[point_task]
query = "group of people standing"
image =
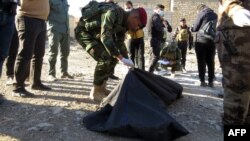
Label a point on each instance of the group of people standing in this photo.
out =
(102, 35)
(204, 47)
(22, 40)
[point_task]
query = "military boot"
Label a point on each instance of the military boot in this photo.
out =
(97, 93)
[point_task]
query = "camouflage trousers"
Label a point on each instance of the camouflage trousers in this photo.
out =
(105, 62)
(236, 77)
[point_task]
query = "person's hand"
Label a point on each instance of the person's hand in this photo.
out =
(127, 62)
(241, 17)
(171, 62)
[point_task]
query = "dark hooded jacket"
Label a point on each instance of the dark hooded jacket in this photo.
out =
(203, 17)
(8, 6)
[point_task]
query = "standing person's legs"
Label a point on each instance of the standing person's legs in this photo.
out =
(140, 54)
(102, 72)
(11, 59)
(236, 93)
(200, 55)
(155, 55)
(54, 39)
(131, 48)
(37, 59)
(183, 47)
(65, 50)
(210, 62)
(7, 25)
(27, 33)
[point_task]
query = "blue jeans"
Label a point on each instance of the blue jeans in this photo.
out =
(7, 24)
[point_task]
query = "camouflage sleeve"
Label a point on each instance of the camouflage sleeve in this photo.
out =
(231, 6)
(107, 39)
(226, 9)
(120, 38)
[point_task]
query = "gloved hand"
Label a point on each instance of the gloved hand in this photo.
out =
(127, 62)
(241, 18)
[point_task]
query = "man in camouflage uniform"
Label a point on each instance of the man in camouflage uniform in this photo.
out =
(102, 36)
(58, 32)
(233, 48)
(172, 54)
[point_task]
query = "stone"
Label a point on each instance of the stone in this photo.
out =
(41, 127)
(80, 113)
(56, 110)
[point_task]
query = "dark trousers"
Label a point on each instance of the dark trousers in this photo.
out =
(32, 36)
(58, 40)
(7, 25)
(136, 51)
(182, 45)
(205, 53)
(11, 59)
(155, 53)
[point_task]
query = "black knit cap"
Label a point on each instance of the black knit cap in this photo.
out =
(182, 20)
(160, 6)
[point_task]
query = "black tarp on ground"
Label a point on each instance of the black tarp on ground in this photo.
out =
(139, 109)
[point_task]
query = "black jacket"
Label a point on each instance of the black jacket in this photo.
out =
(203, 17)
(8, 6)
(155, 27)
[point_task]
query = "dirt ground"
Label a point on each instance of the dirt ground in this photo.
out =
(56, 115)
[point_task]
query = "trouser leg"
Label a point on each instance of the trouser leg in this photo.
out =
(11, 59)
(6, 34)
(210, 61)
(141, 58)
(236, 94)
(27, 32)
(183, 47)
(37, 60)
(54, 39)
(64, 50)
(155, 55)
(200, 55)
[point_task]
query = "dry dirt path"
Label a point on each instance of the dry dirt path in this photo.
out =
(56, 115)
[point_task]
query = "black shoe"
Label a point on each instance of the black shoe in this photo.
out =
(203, 84)
(21, 92)
(113, 77)
(157, 69)
(40, 87)
(211, 84)
(66, 76)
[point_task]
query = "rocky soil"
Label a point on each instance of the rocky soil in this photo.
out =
(56, 115)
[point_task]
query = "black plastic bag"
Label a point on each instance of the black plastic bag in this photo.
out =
(136, 108)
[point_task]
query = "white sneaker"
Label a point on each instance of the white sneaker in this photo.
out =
(10, 81)
(52, 78)
(172, 75)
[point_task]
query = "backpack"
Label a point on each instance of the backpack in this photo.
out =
(209, 30)
(91, 18)
(183, 34)
(93, 8)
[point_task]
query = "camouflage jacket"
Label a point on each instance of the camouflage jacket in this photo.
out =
(109, 28)
(226, 10)
(113, 30)
(58, 18)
